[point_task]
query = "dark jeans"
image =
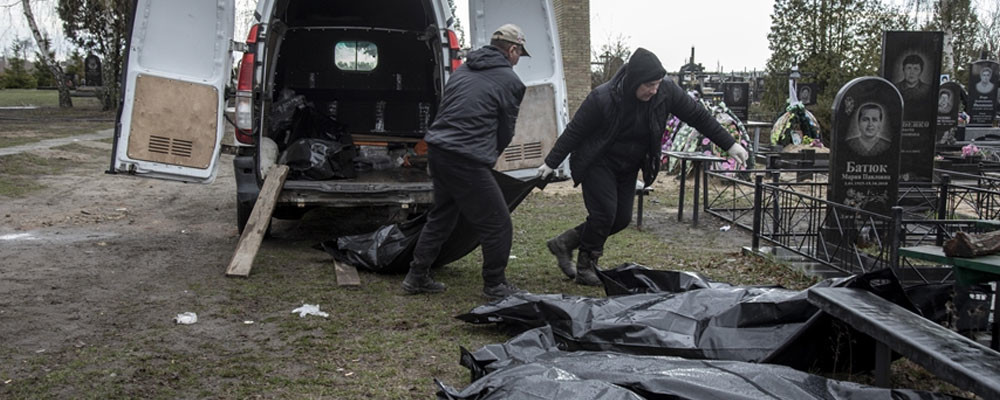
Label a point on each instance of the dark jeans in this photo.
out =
(467, 188)
(608, 194)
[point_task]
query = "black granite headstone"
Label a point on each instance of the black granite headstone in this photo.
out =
(912, 61)
(866, 138)
(92, 71)
(737, 98)
(807, 93)
(984, 77)
(949, 97)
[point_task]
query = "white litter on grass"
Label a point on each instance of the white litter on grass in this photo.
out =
(513, 257)
(247, 322)
(725, 228)
(309, 309)
(187, 318)
(18, 236)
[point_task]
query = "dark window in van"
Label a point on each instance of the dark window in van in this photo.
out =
(355, 56)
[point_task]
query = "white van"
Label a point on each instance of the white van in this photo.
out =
(369, 74)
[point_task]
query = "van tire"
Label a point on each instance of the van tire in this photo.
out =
(243, 211)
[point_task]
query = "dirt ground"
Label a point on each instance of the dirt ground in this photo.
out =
(94, 259)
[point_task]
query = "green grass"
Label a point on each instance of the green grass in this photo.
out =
(40, 98)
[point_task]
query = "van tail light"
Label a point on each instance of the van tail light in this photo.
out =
(453, 50)
(244, 92)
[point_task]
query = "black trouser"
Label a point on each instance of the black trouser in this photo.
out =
(608, 194)
(467, 188)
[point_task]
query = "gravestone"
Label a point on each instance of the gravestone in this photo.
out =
(983, 82)
(912, 61)
(807, 93)
(866, 139)
(949, 97)
(92, 71)
(736, 95)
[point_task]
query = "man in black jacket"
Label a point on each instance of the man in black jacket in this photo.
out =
(617, 132)
(475, 123)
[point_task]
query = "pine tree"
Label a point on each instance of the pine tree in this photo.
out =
(831, 41)
(17, 76)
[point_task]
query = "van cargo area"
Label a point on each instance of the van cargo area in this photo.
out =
(353, 88)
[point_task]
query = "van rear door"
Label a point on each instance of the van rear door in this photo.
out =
(170, 124)
(543, 112)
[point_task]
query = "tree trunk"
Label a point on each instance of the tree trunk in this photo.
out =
(65, 101)
(948, 52)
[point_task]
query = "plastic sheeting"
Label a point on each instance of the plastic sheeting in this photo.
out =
(390, 248)
(681, 314)
(531, 366)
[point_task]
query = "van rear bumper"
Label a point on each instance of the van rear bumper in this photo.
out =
(356, 194)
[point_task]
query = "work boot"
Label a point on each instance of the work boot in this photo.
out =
(586, 268)
(419, 280)
(562, 247)
(500, 291)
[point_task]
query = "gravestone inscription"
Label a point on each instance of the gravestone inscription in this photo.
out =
(949, 97)
(912, 62)
(736, 95)
(983, 82)
(866, 139)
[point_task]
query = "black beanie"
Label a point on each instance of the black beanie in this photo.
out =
(643, 66)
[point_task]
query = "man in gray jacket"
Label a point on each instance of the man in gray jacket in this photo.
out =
(475, 123)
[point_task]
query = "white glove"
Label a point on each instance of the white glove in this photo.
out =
(738, 153)
(544, 172)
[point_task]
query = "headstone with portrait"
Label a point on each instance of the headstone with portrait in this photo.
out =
(983, 82)
(865, 145)
(949, 97)
(807, 93)
(912, 62)
(736, 95)
(92, 70)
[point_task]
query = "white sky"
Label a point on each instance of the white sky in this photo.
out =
(727, 32)
(730, 33)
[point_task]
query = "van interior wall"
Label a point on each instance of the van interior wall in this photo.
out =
(402, 81)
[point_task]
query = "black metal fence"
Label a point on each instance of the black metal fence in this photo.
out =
(787, 209)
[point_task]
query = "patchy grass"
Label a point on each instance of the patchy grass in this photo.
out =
(377, 342)
(19, 172)
(19, 127)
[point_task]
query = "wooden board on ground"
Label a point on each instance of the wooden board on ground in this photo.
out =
(347, 274)
(257, 224)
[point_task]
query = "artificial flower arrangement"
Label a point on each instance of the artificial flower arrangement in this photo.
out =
(796, 126)
(682, 137)
(971, 150)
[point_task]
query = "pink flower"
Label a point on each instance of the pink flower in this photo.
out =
(970, 150)
(708, 152)
(704, 141)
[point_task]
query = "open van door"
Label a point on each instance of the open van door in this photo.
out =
(170, 124)
(543, 112)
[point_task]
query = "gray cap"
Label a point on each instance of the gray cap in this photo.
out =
(513, 34)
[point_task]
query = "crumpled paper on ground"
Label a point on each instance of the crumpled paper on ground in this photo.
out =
(187, 318)
(309, 309)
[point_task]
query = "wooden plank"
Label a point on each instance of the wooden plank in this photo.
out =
(347, 274)
(260, 217)
(946, 354)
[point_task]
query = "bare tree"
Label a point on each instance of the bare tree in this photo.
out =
(46, 57)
